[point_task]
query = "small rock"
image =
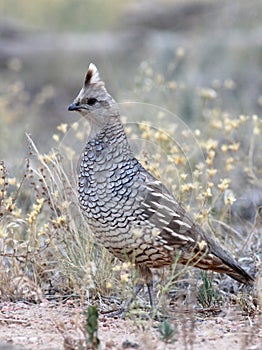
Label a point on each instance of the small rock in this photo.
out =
(128, 344)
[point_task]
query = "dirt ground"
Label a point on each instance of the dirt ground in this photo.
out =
(57, 326)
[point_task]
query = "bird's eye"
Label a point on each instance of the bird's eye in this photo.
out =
(91, 101)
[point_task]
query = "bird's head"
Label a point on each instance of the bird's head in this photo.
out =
(93, 101)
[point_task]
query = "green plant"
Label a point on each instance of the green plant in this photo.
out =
(167, 332)
(207, 295)
(92, 327)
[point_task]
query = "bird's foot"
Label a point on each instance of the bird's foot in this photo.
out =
(157, 315)
(121, 313)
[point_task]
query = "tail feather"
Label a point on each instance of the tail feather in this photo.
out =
(217, 259)
(241, 276)
(223, 262)
(230, 268)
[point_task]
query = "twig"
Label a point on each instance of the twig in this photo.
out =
(13, 320)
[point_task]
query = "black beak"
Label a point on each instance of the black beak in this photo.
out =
(73, 107)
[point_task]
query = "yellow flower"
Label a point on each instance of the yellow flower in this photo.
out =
(197, 173)
(207, 94)
(187, 187)
(47, 158)
(36, 210)
(126, 265)
(43, 230)
(124, 277)
(80, 135)
(183, 176)
(229, 84)
(180, 52)
(172, 85)
(256, 131)
(202, 245)
(210, 157)
(174, 149)
(17, 212)
(147, 134)
(235, 123)
(208, 193)
(198, 216)
(179, 160)
(160, 78)
(234, 146)
(117, 268)
(109, 285)
(56, 137)
(197, 133)
(60, 221)
(65, 204)
(9, 205)
(12, 181)
(161, 136)
(186, 133)
(200, 166)
(210, 144)
(205, 213)
(224, 184)
(229, 197)
(128, 130)
(243, 118)
(40, 201)
(229, 165)
(211, 172)
(75, 126)
(62, 127)
(224, 148)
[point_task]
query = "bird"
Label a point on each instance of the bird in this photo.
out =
(130, 212)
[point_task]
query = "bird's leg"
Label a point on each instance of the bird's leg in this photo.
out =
(147, 277)
(144, 277)
(151, 295)
(129, 301)
(156, 314)
(121, 312)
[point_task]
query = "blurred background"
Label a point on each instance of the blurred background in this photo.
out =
(46, 47)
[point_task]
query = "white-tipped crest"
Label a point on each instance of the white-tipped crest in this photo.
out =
(92, 75)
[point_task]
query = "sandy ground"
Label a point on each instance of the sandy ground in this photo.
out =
(58, 326)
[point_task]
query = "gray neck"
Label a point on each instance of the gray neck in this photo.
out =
(111, 135)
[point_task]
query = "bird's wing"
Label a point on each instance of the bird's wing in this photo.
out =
(178, 230)
(161, 210)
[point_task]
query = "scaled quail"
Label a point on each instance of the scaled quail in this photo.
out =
(129, 211)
